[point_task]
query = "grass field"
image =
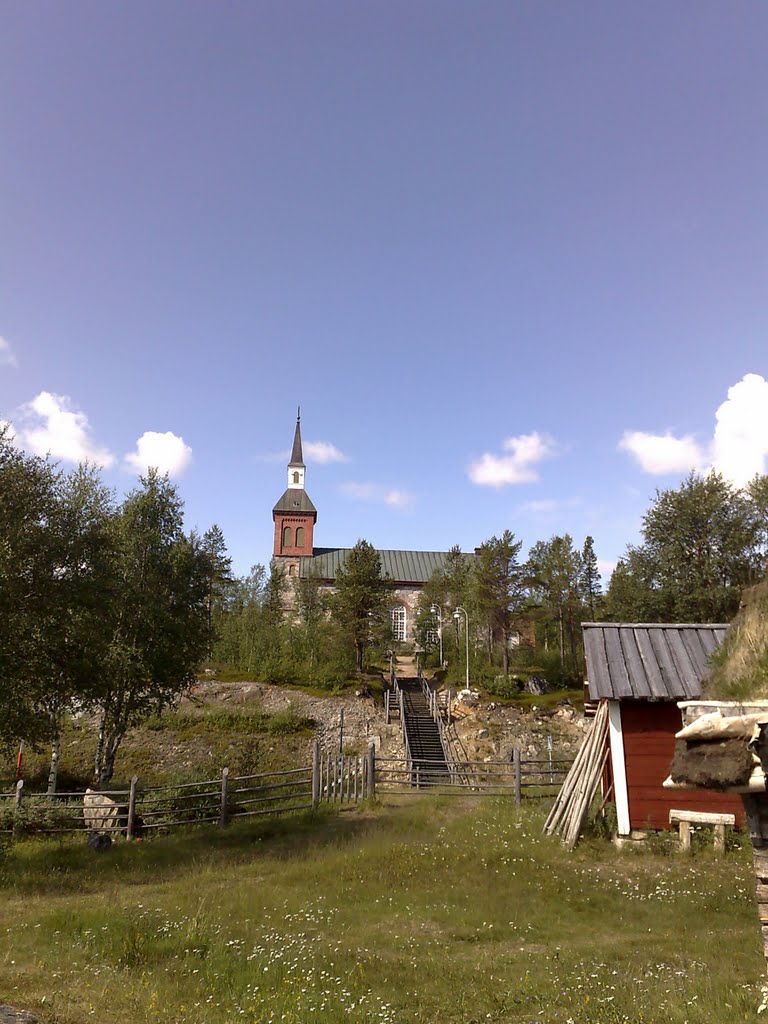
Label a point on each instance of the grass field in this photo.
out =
(455, 911)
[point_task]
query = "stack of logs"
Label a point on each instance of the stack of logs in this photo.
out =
(573, 802)
(756, 807)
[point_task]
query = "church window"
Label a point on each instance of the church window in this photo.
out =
(295, 477)
(287, 536)
(398, 619)
(513, 641)
(299, 536)
(292, 569)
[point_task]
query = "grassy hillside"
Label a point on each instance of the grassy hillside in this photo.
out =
(740, 667)
(194, 742)
(455, 911)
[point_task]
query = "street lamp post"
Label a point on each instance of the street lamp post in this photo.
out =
(438, 611)
(457, 616)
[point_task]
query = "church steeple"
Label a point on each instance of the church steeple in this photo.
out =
(294, 515)
(296, 467)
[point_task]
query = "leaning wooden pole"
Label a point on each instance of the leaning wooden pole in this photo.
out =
(568, 791)
(574, 800)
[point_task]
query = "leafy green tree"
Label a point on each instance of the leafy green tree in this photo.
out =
(74, 632)
(500, 588)
(702, 545)
(236, 642)
(554, 569)
(158, 615)
(757, 492)
(632, 594)
(359, 605)
(590, 577)
(29, 488)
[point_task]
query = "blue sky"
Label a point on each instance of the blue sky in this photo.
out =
(510, 258)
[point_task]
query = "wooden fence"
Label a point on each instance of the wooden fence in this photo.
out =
(332, 778)
(518, 778)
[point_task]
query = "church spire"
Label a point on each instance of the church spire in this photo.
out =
(297, 459)
(294, 515)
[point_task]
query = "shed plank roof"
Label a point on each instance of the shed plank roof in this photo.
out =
(653, 673)
(616, 664)
(649, 661)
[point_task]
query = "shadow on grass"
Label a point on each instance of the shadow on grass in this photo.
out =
(39, 867)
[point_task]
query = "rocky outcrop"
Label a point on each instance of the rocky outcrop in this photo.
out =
(10, 1016)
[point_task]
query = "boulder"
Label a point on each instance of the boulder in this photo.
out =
(101, 813)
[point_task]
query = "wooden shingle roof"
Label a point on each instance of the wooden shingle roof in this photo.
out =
(649, 661)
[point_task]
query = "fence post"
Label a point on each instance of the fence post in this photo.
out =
(315, 774)
(224, 787)
(371, 769)
(386, 706)
(130, 824)
(517, 762)
(17, 805)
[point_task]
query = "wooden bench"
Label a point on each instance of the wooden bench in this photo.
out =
(687, 818)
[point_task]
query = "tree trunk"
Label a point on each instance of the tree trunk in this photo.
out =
(111, 747)
(505, 655)
(561, 624)
(100, 748)
(359, 655)
(54, 769)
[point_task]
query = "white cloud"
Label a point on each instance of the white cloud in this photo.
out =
(738, 449)
(392, 496)
(541, 507)
(399, 499)
(270, 457)
(322, 452)
(51, 426)
(7, 356)
(166, 453)
(360, 492)
(663, 453)
(740, 444)
(605, 567)
(518, 467)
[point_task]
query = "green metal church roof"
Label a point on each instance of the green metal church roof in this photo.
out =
(401, 566)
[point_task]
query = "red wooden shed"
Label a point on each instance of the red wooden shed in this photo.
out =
(642, 670)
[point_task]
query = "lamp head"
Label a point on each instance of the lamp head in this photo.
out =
(456, 614)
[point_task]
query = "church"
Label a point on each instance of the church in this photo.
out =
(294, 548)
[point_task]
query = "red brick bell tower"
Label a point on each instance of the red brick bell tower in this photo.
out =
(294, 515)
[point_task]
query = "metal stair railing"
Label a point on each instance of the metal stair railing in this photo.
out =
(397, 693)
(452, 760)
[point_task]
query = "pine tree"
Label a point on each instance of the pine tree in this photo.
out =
(360, 602)
(590, 576)
(500, 587)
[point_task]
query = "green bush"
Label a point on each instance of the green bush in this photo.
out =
(39, 814)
